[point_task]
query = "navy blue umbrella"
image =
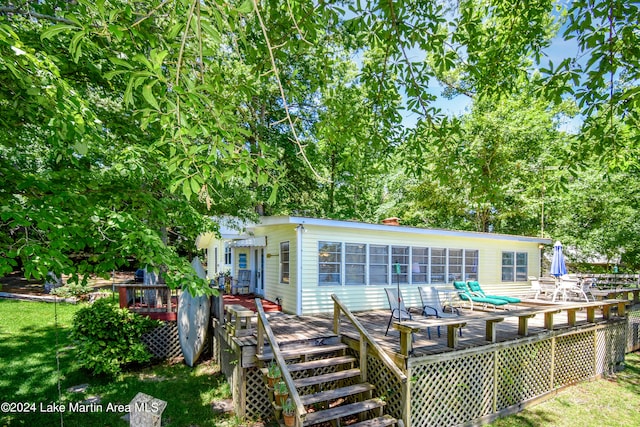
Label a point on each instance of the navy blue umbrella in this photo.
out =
(558, 266)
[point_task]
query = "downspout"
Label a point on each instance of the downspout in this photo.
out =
(299, 230)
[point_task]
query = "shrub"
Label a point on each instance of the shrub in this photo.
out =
(77, 290)
(108, 337)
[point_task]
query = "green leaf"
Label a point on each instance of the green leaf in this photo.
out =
(147, 93)
(246, 7)
(186, 189)
(55, 30)
(273, 196)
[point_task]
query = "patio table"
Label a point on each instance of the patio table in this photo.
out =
(408, 327)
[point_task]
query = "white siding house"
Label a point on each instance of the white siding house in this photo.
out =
(302, 261)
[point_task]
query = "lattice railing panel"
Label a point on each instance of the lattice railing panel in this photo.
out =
(163, 341)
(453, 391)
(387, 386)
(523, 373)
(610, 348)
(633, 333)
(258, 403)
(574, 356)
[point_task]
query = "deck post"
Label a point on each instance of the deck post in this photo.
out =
(553, 363)
(523, 324)
(491, 333)
(571, 316)
(548, 320)
(363, 360)
(336, 318)
(406, 400)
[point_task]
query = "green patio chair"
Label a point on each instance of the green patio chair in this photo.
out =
(474, 286)
(466, 294)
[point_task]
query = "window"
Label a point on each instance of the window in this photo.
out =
(400, 262)
(329, 263)
(419, 265)
(508, 263)
(521, 266)
(471, 264)
(355, 263)
(360, 264)
(514, 266)
(438, 265)
(284, 262)
(227, 254)
(455, 265)
(378, 265)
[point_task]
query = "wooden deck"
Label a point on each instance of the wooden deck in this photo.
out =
(505, 357)
(291, 330)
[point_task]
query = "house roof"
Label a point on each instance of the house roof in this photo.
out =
(283, 220)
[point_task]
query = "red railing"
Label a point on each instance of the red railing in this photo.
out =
(155, 301)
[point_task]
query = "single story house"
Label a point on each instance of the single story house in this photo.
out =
(299, 262)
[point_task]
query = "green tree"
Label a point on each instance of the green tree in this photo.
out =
(488, 178)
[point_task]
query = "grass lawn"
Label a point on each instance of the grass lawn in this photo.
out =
(29, 375)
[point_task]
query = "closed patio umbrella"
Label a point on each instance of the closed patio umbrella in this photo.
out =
(558, 266)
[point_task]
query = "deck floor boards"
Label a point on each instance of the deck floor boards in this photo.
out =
(292, 329)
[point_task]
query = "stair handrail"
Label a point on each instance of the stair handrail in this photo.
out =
(384, 357)
(263, 326)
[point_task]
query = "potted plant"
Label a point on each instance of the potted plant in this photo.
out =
(288, 413)
(273, 374)
(280, 393)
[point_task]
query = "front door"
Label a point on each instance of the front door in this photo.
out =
(259, 263)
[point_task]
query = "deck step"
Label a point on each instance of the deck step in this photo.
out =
(331, 395)
(325, 378)
(321, 363)
(296, 352)
(342, 411)
(383, 421)
(316, 364)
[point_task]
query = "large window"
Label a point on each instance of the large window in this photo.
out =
(378, 265)
(438, 265)
(329, 263)
(355, 263)
(514, 266)
(419, 265)
(284, 262)
(455, 265)
(400, 261)
(360, 264)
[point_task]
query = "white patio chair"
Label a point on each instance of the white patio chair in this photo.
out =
(569, 285)
(432, 305)
(536, 289)
(396, 305)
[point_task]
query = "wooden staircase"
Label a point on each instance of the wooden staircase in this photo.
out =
(329, 389)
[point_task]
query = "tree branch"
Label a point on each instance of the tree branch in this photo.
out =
(13, 10)
(285, 104)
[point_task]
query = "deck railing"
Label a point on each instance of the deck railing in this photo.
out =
(155, 301)
(265, 331)
(612, 280)
(366, 342)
